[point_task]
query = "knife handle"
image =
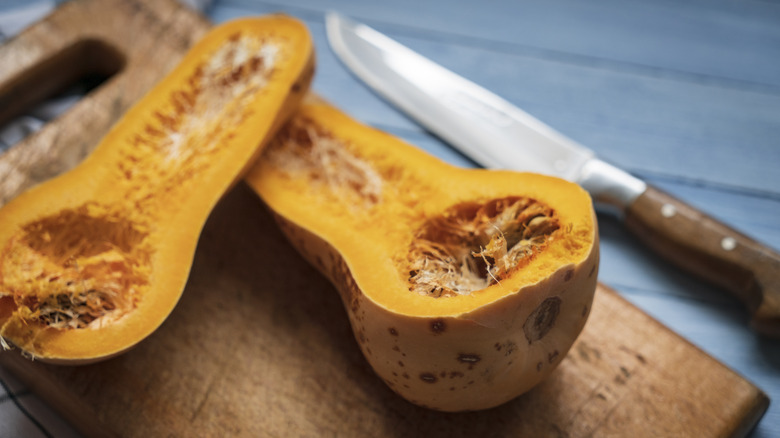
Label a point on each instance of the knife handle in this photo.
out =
(711, 250)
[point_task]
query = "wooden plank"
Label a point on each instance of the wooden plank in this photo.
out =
(666, 37)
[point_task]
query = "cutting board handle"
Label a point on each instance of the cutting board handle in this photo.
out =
(53, 70)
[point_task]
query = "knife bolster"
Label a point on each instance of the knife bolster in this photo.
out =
(612, 189)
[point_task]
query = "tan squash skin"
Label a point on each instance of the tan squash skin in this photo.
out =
(94, 260)
(450, 353)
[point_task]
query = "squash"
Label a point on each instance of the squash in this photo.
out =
(464, 287)
(93, 261)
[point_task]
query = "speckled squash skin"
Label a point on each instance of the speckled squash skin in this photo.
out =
(470, 353)
(474, 361)
(93, 261)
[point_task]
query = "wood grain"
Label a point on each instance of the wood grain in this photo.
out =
(261, 345)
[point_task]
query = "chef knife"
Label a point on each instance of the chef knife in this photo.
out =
(497, 134)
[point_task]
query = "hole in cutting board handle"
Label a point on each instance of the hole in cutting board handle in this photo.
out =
(82, 66)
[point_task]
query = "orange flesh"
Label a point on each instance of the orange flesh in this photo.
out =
(468, 248)
(90, 265)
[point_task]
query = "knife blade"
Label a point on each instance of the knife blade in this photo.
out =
(497, 134)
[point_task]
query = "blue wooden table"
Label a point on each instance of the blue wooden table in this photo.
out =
(684, 94)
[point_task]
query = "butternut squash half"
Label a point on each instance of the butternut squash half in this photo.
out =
(94, 260)
(464, 287)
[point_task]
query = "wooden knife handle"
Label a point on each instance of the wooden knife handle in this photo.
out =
(713, 251)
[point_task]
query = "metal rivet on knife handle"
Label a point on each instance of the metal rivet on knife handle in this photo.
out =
(728, 243)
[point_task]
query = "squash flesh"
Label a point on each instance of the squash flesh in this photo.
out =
(403, 203)
(93, 261)
(91, 264)
(518, 253)
(79, 267)
(465, 250)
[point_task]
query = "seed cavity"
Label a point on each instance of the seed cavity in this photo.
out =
(77, 269)
(76, 309)
(474, 245)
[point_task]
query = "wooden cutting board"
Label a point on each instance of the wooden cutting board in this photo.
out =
(260, 344)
